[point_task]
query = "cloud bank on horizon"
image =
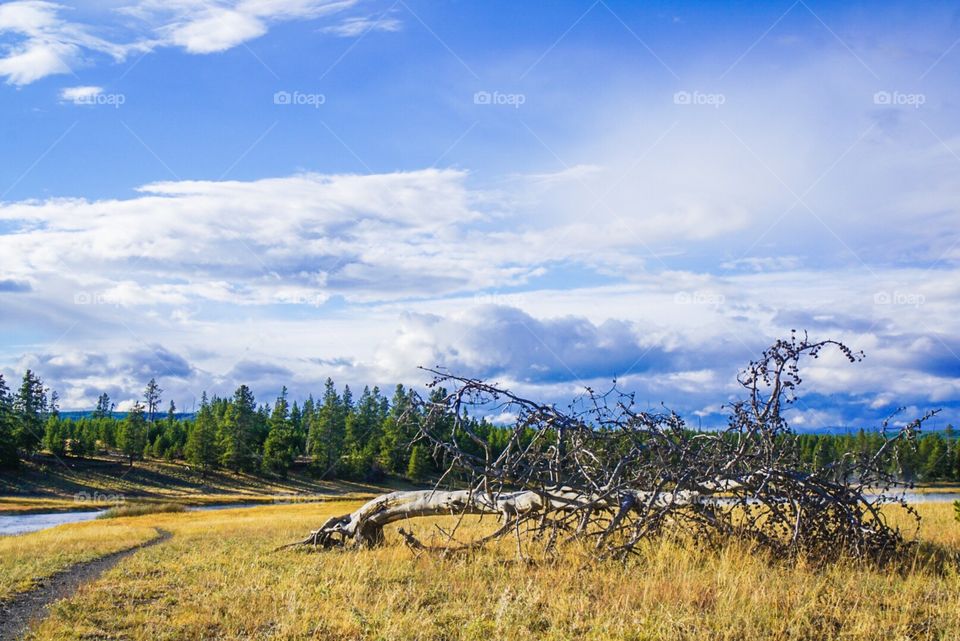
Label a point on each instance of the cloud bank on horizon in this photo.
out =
(270, 193)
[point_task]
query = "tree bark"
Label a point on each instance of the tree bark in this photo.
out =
(364, 526)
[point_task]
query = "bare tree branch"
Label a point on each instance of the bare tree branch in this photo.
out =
(607, 472)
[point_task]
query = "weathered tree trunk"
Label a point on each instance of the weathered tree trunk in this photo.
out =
(364, 527)
(608, 473)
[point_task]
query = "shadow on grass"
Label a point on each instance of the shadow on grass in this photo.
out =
(69, 477)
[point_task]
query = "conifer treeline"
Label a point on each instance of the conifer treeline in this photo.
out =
(335, 436)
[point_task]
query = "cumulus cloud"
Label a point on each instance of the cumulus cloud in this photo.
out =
(289, 280)
(373, 237)
(80, 376)
(362, 236)
(494, 341)
(215, 29)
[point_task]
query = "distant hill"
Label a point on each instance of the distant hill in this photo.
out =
(75, 414)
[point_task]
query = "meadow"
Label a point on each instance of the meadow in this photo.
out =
(219, 577)
(48, 484)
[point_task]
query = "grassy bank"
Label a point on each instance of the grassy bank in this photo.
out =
(51, 484)
(24, 560)
(219, 578)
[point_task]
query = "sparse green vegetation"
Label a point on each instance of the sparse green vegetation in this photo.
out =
(141, 509)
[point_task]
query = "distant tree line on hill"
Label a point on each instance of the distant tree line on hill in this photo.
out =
(335, 436)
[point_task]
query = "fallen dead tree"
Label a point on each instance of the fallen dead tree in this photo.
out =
(604, 472)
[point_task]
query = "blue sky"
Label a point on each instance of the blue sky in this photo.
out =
(550, 195)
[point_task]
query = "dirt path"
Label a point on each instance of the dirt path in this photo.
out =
(17, 613)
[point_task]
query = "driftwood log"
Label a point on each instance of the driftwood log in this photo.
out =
(605, 472)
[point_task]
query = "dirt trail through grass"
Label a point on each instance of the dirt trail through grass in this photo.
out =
(17, 613)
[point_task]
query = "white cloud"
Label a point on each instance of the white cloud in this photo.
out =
(80, 95)
(353, 27)
(35, 60)
(44, 44)
(253, 271)
(47, 38)
(365, 237)
(215, 30)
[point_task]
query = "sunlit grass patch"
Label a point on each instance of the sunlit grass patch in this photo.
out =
(218, 577)
(27, 558)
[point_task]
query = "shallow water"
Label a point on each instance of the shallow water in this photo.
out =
(929, 497)
(22, 523)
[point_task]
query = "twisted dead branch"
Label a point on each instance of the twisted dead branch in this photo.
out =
(607, 473)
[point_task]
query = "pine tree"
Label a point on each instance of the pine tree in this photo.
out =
(327, 431)
(201, 448)
(151, 396)
(132, 435)
(362, 438)
(107, 431)
(238, 432)
(55, 436)
(279, 447)
(30, 404)
(8, 439)
(104, 407)
(822, 453)
(936, 464)
(53, 407)
(303, 429)
(394, 434)
(84, 442)
(296, 426)
(419, 466)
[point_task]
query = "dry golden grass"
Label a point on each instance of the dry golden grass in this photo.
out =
(28, 558)
(218, 578)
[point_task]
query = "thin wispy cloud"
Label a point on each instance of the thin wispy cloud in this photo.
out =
(40, 38)
(353, 27)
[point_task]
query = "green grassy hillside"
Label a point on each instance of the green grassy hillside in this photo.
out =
(49, 483)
